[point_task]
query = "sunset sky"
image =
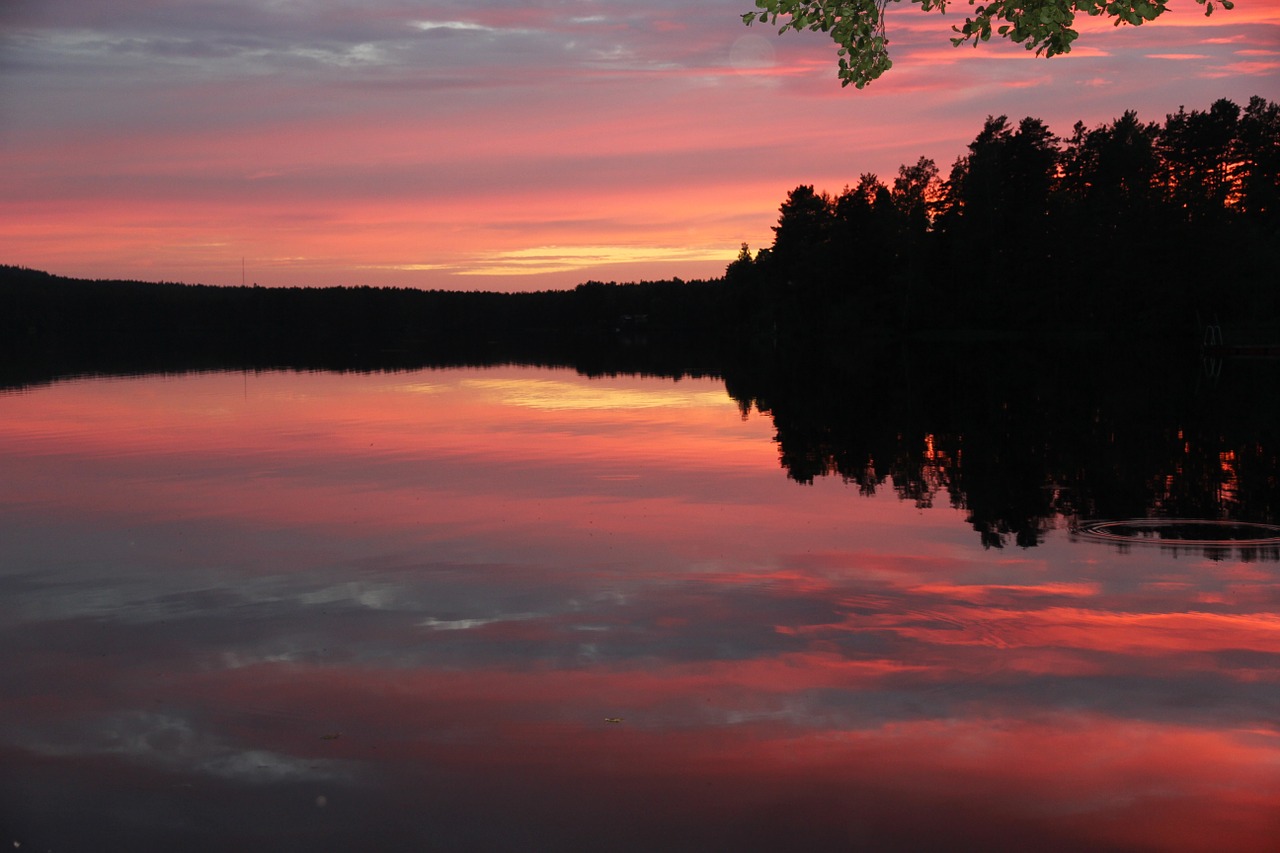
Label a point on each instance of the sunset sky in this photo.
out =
(493, 144)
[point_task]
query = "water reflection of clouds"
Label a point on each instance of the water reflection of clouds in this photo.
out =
(178, 744)
(467, 624)
(791, 664)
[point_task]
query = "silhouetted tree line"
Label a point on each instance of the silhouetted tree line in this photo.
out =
(53, 326)
(1124, 228)
(1016, 433)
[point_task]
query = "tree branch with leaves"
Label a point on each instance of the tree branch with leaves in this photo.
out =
(858, 26)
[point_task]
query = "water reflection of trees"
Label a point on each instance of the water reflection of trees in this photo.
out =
(1028, 439)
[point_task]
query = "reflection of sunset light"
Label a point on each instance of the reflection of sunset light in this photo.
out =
(1090, 779)
(937, 468)
(462, 580)
(543, 394)
(1229, 487)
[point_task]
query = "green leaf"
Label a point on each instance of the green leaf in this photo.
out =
(856, 26)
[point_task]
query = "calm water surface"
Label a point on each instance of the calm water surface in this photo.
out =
(519, 609)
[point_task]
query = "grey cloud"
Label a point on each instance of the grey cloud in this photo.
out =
(233, 39)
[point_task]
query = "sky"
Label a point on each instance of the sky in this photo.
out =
(500, 145)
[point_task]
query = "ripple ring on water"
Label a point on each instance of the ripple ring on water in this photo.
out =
(1193, 532)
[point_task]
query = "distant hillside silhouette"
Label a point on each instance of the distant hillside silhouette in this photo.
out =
(51, 325)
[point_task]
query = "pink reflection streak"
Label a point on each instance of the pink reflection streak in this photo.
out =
(206, 447)
(1087, 777)
(931, 624)
(1154, 634)
(1029, 628)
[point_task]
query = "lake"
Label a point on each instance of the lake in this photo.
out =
(517, 608)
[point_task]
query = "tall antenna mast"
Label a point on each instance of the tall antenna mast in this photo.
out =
(242, 270)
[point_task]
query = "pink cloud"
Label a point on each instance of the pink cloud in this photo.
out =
(1246, 69)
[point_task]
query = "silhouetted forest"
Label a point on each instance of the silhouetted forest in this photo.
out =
(52, 326)
(1124, 229)
(1022, 339)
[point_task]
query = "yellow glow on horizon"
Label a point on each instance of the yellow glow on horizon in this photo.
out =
(550, 259)
(551, 395)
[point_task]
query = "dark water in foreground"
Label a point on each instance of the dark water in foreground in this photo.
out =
(519, 609)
